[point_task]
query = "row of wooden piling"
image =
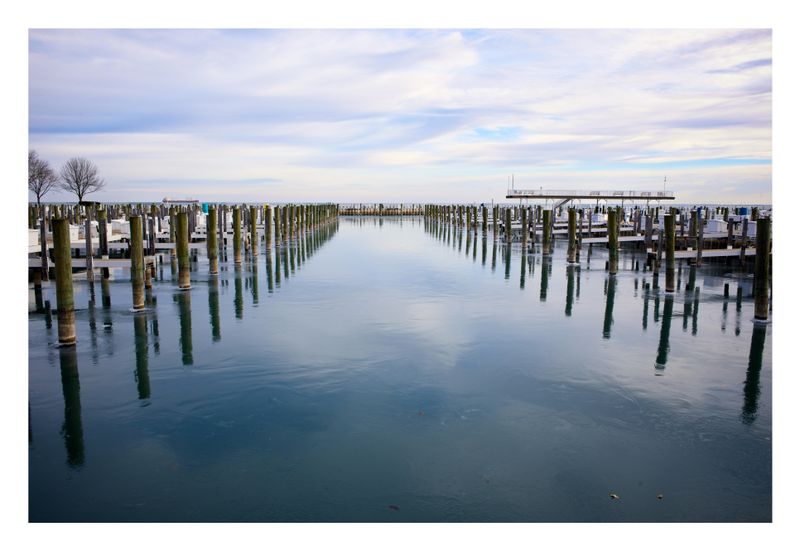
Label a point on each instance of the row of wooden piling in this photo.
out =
(381, 209)
(455, 214)
(290, 220)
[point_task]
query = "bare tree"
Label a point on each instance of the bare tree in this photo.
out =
(41, 177)
(79, 176)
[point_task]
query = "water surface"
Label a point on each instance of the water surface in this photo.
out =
(390, 370)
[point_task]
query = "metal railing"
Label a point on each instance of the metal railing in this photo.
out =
(550, 193)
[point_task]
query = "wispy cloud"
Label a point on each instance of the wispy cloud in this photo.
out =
(402, 115)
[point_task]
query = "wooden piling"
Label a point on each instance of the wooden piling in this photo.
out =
(137, 262)
(761, 279)
(613, 245)
(182, 246)
(237, 235)
(572, 238)
(88, 241)
(524, 227)
(669, 231)
(173, 222)
(546, 229)
(268, 226)
(508, 225)
(211, 241)
(254, 245)
(64, 294)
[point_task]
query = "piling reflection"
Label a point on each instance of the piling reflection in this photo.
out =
(752, 385)
(646, 306)
(141, 375)
(238, 300)
(494, 255)
(507, 259)
(570, 289)
(523, 261)
(72, 429)
(184, 301)
(663, 340)
(254, 282)
(608, 319)
(545, 274)
(213, 311)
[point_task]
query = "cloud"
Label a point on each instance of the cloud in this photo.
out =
(382, 113)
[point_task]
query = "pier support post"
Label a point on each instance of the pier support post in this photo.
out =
(613, 245)
(211, 241)
(546, 230)
(253, 232)
(761, 280)
(64, 295)
(182, 246)
(268, 226)
(572, 247)
(43, 243)
(524, 227)
(669, 236)
(173, 222)
(88, 239)
(137, 262)
(700, 225)
(237, 235)
(508, 225)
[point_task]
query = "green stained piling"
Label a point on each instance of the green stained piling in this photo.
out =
(237, 235)
(211, 241)
(546, 229)
(761, 280)
(613, 245)
(268, 226)
(669, 237)
(524, 227)
(137, 262)
(88, 240)
(253, 231)
(508, 225)
(182, 246)
(43, 244)
(173, 222)
(484, 215)
(573, 241)
(64, 293)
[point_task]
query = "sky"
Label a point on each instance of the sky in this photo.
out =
(405, 115)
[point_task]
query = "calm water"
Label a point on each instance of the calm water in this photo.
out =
(384, 370)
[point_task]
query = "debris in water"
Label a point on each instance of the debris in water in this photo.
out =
(394, 507)
(660, 496)
(613, 496)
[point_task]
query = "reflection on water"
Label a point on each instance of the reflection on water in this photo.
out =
(184, 300)
(72, 429)
(752, 382)
(392, 369)
(663, 341)
(608, 319)
(142, 375)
